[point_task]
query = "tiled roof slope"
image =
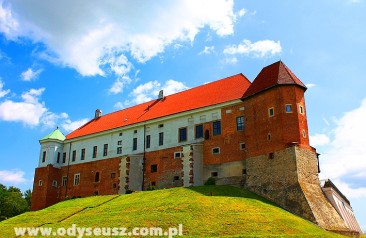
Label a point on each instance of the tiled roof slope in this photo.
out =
(275, 74)
(217, 92)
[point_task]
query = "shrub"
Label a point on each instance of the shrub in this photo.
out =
(210, 181)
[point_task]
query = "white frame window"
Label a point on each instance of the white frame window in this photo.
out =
(76, 179)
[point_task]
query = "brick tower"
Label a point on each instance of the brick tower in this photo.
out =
(280, 164)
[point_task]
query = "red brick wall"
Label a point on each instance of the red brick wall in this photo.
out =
(88, 186)
(168, 167)
(229, 140)
(283, 127)
(45, 195)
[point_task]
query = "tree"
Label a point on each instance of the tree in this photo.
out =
(28, 197)
(12, 202)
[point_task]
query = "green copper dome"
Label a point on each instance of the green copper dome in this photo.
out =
(55, 135)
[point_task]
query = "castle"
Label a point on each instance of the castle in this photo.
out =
(253, 135)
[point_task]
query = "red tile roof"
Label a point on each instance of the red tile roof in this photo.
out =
(217, 92)
(275, 74)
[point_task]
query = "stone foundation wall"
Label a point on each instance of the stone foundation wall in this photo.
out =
(289, 177)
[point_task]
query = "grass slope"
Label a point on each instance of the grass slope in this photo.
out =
(207, 211)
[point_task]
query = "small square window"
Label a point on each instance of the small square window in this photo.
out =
(119, 142)
(54, 183)
(161, 125)
(214, 174)
(154, 168)
(271, 112)
(216, 150)
(288, 108)
(113, 175)
(40, 183)
(135, 131)
(242, 146)
(120, 134)
(177, 155)
(244, 172)
(176, 178)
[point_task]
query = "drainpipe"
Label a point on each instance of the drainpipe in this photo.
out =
(143, 161)
(68, 169)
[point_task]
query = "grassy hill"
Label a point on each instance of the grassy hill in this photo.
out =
(207, 211)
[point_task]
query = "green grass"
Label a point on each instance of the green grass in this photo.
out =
(207, 211)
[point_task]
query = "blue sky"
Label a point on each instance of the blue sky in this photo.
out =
(59, 61)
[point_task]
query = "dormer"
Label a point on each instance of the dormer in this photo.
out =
(51, 149)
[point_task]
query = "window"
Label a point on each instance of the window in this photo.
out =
(96, 178)
(148, 141)
(216, 128)
(73, 155)
(54, 183)
(301, 109)
(269, 136)
(95, 151)
(135, 131)
(64, 157)
(113, 175)
(82, 154)
(240, 123)
(154, 168)
(271, 156)
(303, 133)
(216, 150)
(119, 142)
(271, 112)
(153, 184)
(40, 183)
(176, 178)
(114, 185)
(58, 157)
(134, 146)
(64, 181)
(161, 125)
(105, 150)
(76, 179)
(44, 157)
(214, 174)
(244, 171)
(161, 138)
(183, 134)
(120, 134)
(242, 146)
(177, 155)
(199, 131)
(119, 150)
(288, 108)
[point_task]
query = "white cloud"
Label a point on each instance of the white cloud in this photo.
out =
(241, 12)
(310, 85)
(12, 177)
(260, 49)
(69, 125)
(350, 192)
(207, 50)
(150, 90)
(106, 32)
(2, 91)
(319, 140)
(29, 74)
(345, 159)
(29, 110)
(230, 60)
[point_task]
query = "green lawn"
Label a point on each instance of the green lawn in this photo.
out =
(207, 211)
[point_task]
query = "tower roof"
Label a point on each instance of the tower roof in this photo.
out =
(54, 135)
(224, 90)
(272, 75)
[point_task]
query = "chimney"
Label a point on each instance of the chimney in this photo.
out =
(161, 94)
(98, 113)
